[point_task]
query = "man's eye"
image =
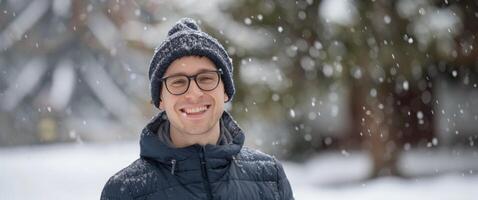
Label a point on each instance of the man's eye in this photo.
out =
(179, 82)
(205, 79)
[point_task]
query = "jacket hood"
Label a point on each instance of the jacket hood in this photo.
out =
(155, 146)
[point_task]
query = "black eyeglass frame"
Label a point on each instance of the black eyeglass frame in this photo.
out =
(219, 73)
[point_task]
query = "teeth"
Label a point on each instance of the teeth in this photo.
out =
(195, 110)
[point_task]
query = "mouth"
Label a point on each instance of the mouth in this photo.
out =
(195, 112)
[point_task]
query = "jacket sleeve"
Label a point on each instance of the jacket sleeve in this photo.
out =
(285, 190)
(115, 189)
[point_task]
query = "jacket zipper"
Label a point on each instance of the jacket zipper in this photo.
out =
(204, 173)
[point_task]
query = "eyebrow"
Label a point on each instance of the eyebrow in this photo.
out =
(200, 71)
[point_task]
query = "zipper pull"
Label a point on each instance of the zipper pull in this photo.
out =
(173, 166)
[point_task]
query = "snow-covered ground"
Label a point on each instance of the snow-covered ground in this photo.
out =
(79, 171)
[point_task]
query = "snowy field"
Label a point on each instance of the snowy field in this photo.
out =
(79, 171)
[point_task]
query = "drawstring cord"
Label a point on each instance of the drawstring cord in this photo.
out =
(173, 166)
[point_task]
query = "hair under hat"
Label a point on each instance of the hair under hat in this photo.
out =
(186, 39)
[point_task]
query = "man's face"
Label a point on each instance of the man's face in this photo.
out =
(197, 111)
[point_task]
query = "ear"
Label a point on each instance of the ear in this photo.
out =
(226, 98)
(161, 105)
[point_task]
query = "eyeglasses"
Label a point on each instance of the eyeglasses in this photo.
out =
(179, 84)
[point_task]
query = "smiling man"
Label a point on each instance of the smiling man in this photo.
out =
(193, 149)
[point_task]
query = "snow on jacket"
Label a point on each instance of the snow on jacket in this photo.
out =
(223, 171)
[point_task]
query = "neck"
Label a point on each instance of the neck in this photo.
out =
(183, 139)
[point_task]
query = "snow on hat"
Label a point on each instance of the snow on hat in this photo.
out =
(186, 39)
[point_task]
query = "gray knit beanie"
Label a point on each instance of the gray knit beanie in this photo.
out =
(187, 39)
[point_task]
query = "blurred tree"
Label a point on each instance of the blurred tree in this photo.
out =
(67, 59)
(387, 54)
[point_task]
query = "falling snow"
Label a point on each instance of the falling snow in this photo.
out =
(330, 87)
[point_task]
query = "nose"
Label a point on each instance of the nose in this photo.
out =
(194, 91)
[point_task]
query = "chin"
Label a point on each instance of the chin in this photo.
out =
(198, 129)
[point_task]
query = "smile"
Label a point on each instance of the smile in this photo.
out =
(195, 110)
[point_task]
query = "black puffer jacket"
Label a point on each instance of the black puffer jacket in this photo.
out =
(223, 171)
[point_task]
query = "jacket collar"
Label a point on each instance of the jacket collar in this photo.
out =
(156, 144)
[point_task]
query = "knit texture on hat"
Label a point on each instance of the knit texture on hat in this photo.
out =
(186, 39)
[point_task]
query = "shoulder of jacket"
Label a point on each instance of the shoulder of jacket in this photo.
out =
(249, 154)
(126, 181)
(256, 166)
